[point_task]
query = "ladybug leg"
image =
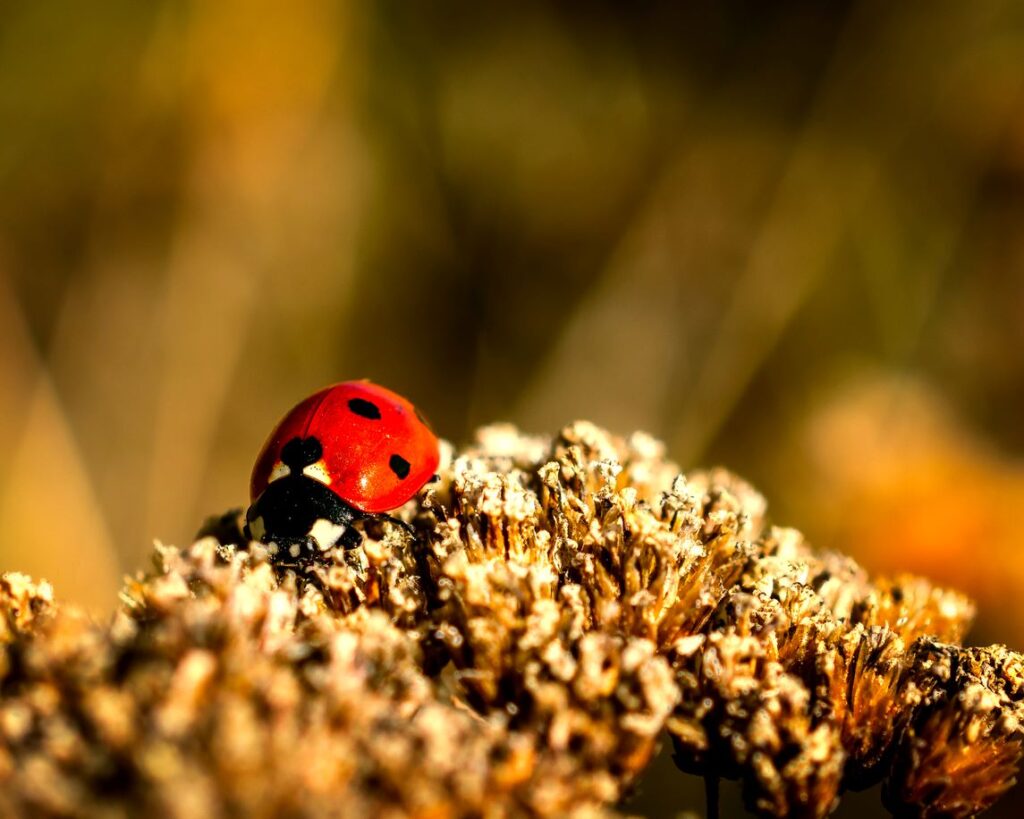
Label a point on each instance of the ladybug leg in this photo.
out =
(401, 524)
(350, 538)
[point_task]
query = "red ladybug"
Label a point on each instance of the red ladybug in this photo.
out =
(351, 451)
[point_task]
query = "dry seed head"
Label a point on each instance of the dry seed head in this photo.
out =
(564, 602)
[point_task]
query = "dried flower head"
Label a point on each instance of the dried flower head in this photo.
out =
(562, 604)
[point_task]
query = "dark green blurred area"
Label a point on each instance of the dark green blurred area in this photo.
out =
(782, 237)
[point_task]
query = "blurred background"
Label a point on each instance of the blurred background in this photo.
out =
(783, 237)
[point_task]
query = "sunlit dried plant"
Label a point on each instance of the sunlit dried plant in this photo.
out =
(562, 604)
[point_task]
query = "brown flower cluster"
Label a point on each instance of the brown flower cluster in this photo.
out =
(563, 603)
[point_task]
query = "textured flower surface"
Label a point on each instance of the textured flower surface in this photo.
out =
(563, 604)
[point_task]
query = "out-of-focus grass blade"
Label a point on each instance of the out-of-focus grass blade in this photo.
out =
(51, 525)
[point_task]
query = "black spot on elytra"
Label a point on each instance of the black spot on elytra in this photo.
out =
(399, 466)
(367, 409)
(301, 452)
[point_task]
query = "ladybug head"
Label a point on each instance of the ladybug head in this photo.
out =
(297, 512)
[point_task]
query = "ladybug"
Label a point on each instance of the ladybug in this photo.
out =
(349, 452)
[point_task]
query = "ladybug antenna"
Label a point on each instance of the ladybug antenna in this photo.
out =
(299, 453)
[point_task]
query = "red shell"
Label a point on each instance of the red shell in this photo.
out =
(358, 448)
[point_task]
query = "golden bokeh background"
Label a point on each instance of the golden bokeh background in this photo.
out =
(788, 238)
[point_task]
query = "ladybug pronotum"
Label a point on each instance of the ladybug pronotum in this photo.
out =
(351, 451)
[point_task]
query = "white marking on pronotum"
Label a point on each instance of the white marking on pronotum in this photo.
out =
(326, 533)
(280, 470)
(318, 472)
(293, 550)
(256, 528)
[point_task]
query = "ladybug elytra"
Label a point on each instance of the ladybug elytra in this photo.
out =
(351, 451)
